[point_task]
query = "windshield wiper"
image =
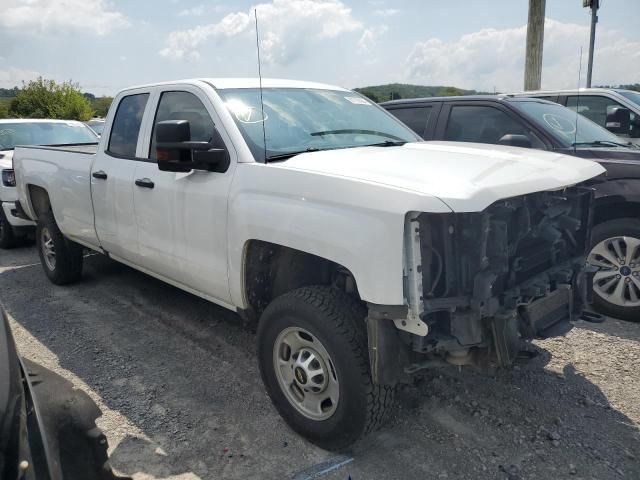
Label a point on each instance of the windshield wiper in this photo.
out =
(387, 143)
(600, 143)
(284, 156)
(347, 131)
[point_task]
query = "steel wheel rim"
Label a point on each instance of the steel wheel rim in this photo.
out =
(48, 250)
(618, 279)
(306, 373)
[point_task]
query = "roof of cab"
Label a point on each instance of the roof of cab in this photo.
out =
(222, 83)
(562, 91)
(476, 98)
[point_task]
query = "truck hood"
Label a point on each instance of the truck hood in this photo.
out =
(6, 158)
(467, 177)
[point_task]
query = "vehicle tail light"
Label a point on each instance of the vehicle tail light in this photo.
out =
(8, 178)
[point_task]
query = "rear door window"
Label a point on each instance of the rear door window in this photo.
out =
(484, 124)
(123, 139)
(416, 118)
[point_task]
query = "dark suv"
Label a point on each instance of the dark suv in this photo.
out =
(535, 123)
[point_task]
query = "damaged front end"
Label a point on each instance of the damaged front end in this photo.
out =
(479, 284)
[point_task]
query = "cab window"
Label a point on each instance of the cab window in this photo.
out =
(123, 139)
(595, 107)
(183, 106)
(484, 124)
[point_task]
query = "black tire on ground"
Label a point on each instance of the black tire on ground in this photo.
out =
(68, 254)
(7, 237)
(337, 321)
(616, 228)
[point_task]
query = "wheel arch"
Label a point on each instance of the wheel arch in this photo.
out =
(270, 270)
(39, 201)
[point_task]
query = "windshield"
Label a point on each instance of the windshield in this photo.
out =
(44, 133)
(305, 119)
(561, 123)
(630, 95)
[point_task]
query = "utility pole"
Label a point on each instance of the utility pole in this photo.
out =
(594, 5)
(535, 41)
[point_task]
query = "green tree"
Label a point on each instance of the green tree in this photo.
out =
(44, 98)
(4, 110)
(450, 92)
(371, 96)
(101, 106)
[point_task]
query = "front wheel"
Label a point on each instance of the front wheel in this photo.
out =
(615, 250)
(313, 358)
(60, 257)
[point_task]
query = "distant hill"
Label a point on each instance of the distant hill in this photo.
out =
(394, 91)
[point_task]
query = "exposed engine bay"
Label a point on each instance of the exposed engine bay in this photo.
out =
(479, 284)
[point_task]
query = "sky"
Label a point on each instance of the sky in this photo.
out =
(106, 45)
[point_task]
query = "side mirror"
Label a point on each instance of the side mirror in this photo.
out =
(619, 120)
(515, 140)
(175, 152)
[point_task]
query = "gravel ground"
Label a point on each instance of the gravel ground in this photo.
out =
(181, 395)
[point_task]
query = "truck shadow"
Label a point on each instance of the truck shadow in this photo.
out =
(183, 372)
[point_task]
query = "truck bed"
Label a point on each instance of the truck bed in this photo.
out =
(85, 148)
(63, 173)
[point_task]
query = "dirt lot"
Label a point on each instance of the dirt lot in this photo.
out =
(178, 384)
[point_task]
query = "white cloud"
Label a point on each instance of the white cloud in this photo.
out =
(370, 37)
(40, 16)
(386, 12)
(491, 57)
(287, 29)
(196, 11)
(12, 76)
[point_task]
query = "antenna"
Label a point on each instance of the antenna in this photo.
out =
(575, 130)
(264, 132)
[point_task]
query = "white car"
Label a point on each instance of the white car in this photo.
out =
(363, 253)
(28, 132)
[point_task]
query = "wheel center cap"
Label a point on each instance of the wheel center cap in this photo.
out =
(626, 271)
(301, 376)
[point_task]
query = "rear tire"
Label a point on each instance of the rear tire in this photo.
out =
(327, 323)
(7, 237)
(60, 257)
(625, 232)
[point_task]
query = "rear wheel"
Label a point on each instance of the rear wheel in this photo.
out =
(314, 362)
(7, 237)
(615, 250)
(60, 257)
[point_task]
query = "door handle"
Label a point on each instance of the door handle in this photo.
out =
(145, 183)
(99, 174)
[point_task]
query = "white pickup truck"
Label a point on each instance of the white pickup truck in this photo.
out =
(363, 253)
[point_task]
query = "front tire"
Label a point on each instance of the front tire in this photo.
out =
(7, 237)
(615, 249)
(60, 257)
(314, 362)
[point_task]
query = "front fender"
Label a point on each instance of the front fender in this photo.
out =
(618, 190)
(356, 224)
